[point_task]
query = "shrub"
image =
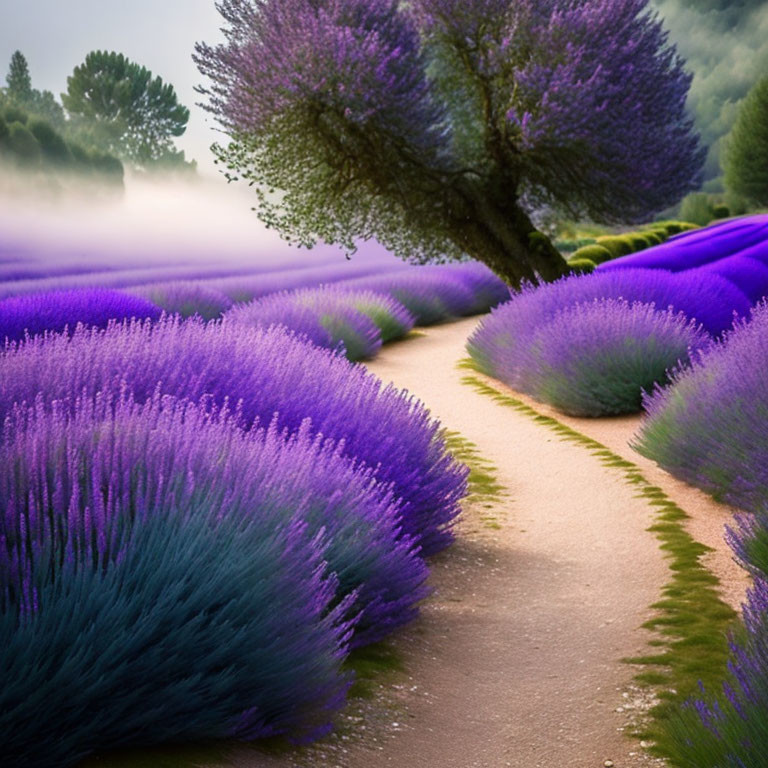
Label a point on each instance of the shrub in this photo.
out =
(597, 254)
(54, 148)
(701, 246)
(709, 427)
(56, 311)
(616, 244)
(326, 319)
(23, 145)
(721, 211)
(697, 207)
(499, 340)
(430, 294)
(152, 589)
(185, 298)
(391, 318)
(4, 132)
(13, 114)
(268, 371)
(596, 358)
(487, 288)
(582, 265)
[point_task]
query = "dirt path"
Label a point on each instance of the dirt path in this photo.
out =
(516, 659)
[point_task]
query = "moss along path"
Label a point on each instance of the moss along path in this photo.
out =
(516, 660)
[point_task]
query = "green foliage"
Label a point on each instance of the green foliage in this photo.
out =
(746, 150)
(698, 207)
(14, 114)
(568, 245)
(18, 79)
(54, 148)
(23, 146)
(616, 244)
(584, 266)
(123, 109)
(721, 211)
(4, 132)
(595, 253)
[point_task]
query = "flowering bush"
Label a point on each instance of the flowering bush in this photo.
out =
(431, 295)
(497, 343)
(157, 584)
(267, 372)
(708, 427)
(391, 318)
(596, 358)
(65, 309)
(327, 319)
(749, 275)
(185, 298)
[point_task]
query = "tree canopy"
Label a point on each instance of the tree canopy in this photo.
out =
(124, 109)
(18, 80)
(440, 126)
(746, 152)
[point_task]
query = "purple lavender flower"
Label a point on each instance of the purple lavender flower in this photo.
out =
(163, 578)
(185, 298)
(596, 358)
(266, 372)
(707, 428)
(43, 312)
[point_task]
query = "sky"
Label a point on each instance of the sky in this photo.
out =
(56, 35)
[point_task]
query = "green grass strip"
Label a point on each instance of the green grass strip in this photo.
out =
(692, 621)
(485, 491)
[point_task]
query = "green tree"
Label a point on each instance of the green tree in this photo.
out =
(746, 152)
(123, 109)
(19, 81)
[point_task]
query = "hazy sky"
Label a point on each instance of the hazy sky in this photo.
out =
(55, 36)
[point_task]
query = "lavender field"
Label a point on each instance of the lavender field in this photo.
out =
(384, 384)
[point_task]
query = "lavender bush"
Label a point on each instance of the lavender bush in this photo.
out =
(431, 295)
(597, 358)
(156, 585)
(391, 318)
(748, 274)
(43, 312)
(185, 298)
(268, 372)
(708, 427)
(499, 342)
(327, 319)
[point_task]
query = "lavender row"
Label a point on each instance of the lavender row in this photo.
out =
(264, 372)
(271, 521)
(553, 340)
(356, 322)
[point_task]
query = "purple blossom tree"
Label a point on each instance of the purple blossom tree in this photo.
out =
(440, 126)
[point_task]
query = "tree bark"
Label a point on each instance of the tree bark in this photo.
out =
(504, 238)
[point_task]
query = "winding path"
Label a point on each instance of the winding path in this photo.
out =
(516, 659)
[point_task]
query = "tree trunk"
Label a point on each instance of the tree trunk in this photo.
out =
(505, 239)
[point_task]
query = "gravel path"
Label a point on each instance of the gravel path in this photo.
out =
(516, 659)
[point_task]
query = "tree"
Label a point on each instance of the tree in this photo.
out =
(746, 151)
(441, 126)
(21, 93)
(18, 79)
(123, 109)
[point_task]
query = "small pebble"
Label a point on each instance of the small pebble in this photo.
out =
(608, 764)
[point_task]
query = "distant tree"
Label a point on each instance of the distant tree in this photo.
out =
(123, 109)
(20, 92)
(746, 151)
(19, 81)
(441, 126)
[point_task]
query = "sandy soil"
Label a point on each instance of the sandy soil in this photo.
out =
(516, 658)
